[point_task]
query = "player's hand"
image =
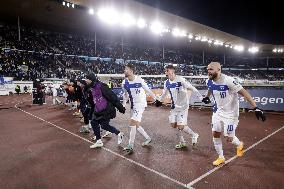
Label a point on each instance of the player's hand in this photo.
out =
(206, 100)
(259, 114)
(122, 110)
(158, 103)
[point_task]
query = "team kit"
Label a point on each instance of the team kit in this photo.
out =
(99, 103)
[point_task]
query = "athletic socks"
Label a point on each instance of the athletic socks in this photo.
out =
(142, 132)
(132, 135)
(236, 141)
(218, 146)
(188, 130)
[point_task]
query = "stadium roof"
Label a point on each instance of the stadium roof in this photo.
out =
(49, 12)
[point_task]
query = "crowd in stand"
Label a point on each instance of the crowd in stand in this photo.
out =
(43, 54)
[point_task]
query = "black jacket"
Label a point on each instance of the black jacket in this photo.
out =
(113, 102)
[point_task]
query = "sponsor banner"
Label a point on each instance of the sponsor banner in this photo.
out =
(266, 99)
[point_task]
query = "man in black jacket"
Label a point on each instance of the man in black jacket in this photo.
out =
(102, 118)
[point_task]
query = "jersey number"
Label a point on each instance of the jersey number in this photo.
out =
(137, 91)
(223, 94)
(230, 128)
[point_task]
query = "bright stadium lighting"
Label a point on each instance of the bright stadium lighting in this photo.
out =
(109, 16)
(190, 36)
(204, 39)
(67, 4)
(209, 41)
(166, 30)
(183, 33)
(197, 38)
(91, 11)
(141, 23)
(274, 50)
(127, 20)
(226, 45)
(217, 43)
(253, 49)
(176, 32)
(73, 6)
(63, 3)
(156, 27)
(239, 47)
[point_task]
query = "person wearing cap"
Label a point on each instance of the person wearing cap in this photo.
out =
(102, 118)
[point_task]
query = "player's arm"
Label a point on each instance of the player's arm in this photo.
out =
(149, 91)
(248, 97)
(236, 87)
(206, 99)
(159, 103)
(209, 93)
(187, 85)
(164, 94)
(125, 96)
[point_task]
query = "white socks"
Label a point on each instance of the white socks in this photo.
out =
(218, 147)
(188, 130)
(132, 135)
(179, 134)
(236, 141)
(142, 132)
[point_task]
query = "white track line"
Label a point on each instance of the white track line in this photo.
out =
(127, 159)
(231, 159)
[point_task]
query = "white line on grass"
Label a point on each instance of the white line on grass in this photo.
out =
(231, 159)
(108, 150)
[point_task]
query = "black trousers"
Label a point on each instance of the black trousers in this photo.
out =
(104, 124)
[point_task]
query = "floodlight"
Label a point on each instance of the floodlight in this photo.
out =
(141, 23)
(253, 49)
(239, 47)
(156, 27)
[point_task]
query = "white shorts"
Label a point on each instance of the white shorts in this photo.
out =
(179, 117)
(136, 114)
(228, 126)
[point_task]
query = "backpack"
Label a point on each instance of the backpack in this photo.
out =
(99, 101)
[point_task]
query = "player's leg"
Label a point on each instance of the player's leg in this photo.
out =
(174, 124)
(106, 126)
(97, 132)
(182, 125)
(137, 120)
(230, 127)
(217, 130)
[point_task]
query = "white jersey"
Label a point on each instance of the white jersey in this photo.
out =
(53, 90)
(135, 90)
(225, 94)
(178, 92)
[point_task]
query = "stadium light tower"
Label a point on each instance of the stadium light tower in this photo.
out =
(141, 23)
(253, 50)
(91, 11)
(204, 39)
(127, 20)
(176, 32)
(156, 27)
(239, 48)
(109, 16)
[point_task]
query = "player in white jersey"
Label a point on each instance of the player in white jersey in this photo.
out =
(225, 118)
(177, 86)
(134, 89)
(54, 94)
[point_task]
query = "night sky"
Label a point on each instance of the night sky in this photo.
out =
(262, 22)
